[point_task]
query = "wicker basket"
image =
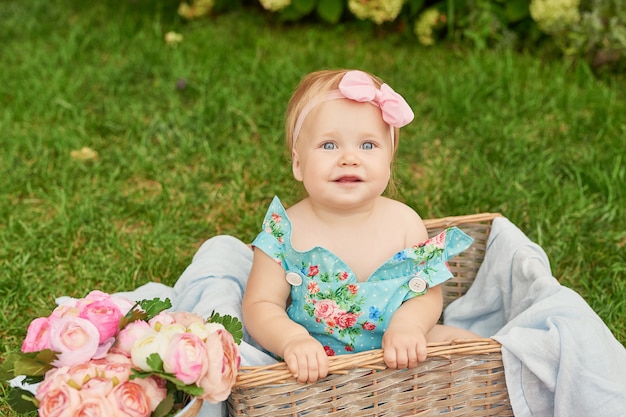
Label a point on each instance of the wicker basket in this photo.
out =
(461, 378)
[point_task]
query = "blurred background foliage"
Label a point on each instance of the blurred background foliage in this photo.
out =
(593, 31)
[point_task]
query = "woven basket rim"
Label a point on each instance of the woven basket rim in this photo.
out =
(437, 223)
(278, 373)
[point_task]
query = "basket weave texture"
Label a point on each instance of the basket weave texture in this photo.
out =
(460, 378)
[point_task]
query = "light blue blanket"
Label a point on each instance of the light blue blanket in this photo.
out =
(560, 359)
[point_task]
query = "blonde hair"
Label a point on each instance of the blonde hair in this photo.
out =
(313, 86)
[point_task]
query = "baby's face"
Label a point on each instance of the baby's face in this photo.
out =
(344, 152)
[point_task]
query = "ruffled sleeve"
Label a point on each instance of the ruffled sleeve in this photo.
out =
(428, 259)
(276, 230)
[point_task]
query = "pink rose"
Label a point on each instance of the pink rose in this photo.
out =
(116, 367)
(224, 361)
(313, 270)
(53, 379)
(68, 308)
(346, 320)
(61, 401)
(162, 319)
(186, 358)
(326, 309)
(96, 387)
(368, 326)
(186, 319)
(130, 399)
(122, 303)
(343, 276)
(155, 390)
(37, 335)
(129, 335)
(105, 315)
(81, 373)
(95, 407)
(75, 339)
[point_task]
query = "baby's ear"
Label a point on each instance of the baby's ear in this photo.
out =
(295, 165)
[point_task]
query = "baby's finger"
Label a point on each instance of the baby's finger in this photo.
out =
(292, 365)
(390, 358)
(322, 363)
(422, 352)
(303, 370)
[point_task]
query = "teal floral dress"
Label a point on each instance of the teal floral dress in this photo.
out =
(346, 315)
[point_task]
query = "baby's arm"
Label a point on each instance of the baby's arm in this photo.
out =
(265, 318)
(404, 341)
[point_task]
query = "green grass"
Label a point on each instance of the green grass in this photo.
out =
(529, 137)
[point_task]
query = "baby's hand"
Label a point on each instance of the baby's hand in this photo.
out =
(403, 348)
(306, 359)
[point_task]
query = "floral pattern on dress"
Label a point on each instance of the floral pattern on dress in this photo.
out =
(272, 225)
(340, 310)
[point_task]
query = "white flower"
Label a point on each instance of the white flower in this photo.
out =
(213, 327)
(143, 348)
(378, 11)
(275, 5)
(554, 15)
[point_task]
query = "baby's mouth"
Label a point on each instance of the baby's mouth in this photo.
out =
(348, 179)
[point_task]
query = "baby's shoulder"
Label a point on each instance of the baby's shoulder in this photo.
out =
(405, 218)
(397, 208)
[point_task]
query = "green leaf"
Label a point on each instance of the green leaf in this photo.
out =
(22, 401)
(31, 364)
(193, 390)
(155, 362)
(231, 324)
(6, 368)
(164, 407)
(147, 310)
(155, 306)
(330, 10)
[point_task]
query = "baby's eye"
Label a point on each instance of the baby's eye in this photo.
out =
(367, 146)
(329, 146)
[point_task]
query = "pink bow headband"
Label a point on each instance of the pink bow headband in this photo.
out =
(358, 86)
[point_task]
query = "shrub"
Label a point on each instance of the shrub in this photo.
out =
(592, 30)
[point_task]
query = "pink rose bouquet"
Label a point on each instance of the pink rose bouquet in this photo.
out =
(107, 356)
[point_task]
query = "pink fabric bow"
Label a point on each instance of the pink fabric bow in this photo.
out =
(358, 86)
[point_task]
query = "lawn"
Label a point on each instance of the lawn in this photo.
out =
(189, 140)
